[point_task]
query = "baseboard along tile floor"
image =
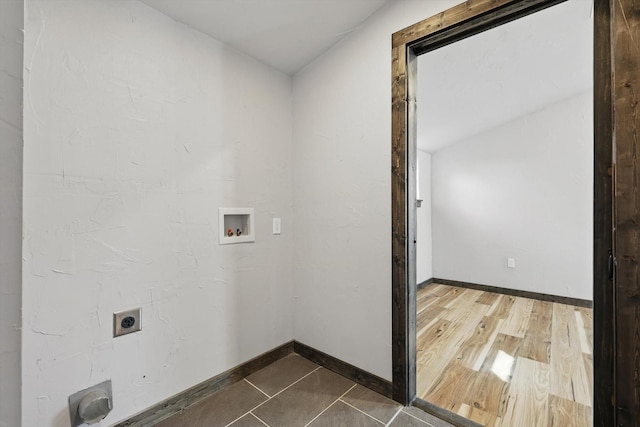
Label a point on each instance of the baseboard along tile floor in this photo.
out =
(294, 392)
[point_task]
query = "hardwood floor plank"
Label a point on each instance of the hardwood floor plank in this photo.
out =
(502, 360)
(502, 307)
(463, 301)
(485, 332)
(440, 351)
(568, 379)
(588, 367)
(452, 294)
(453, 381)
(562, 355)
(482, 355)
(424, 299)
(429, 340)
(518, 318)
(479, 416)
(527, 402)
(430, 296)
(503, 343)
(427, 317)
(537, 339)
(488, 298)
(488, 391)
(441, 290)
(587, 320)
(565, 413)
(582, 333)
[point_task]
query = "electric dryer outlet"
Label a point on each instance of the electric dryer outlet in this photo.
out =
(126, 322)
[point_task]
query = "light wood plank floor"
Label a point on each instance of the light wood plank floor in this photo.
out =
(504, 361)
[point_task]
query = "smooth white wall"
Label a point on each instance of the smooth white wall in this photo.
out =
(424, 256)
(11, 51)
(342, 181)
(137, 129)
(522, 190)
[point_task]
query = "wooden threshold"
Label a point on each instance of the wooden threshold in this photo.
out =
(443, 414)
(514, 292)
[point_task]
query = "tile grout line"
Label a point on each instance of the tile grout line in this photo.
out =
(334, 402)
(394, 417)
(256, 387)
(258, 418)
(259, 405)
(359, 410)
(422, 421)
(294, 383)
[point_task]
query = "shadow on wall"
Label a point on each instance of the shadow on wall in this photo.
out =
(11, 147)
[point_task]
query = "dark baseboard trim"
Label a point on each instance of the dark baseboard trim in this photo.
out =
(443, 414)
(425, 283)
(180, 401)
(360, 376)
(517, 293)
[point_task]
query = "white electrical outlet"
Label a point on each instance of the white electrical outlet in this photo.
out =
(511, 262)
(277, 226)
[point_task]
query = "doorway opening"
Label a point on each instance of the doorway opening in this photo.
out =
(444, 29)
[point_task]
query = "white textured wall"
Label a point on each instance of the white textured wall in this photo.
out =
(424, 257)
(342, 180)
(522, 190)
(11, 48)
(137, 129)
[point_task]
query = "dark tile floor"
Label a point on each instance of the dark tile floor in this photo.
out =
(294, 392)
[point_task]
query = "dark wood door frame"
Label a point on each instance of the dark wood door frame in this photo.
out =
(624, 78)
(616, 131)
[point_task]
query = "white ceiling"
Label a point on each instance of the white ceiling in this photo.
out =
(507, 72)
(463, 89)
(285, 34)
